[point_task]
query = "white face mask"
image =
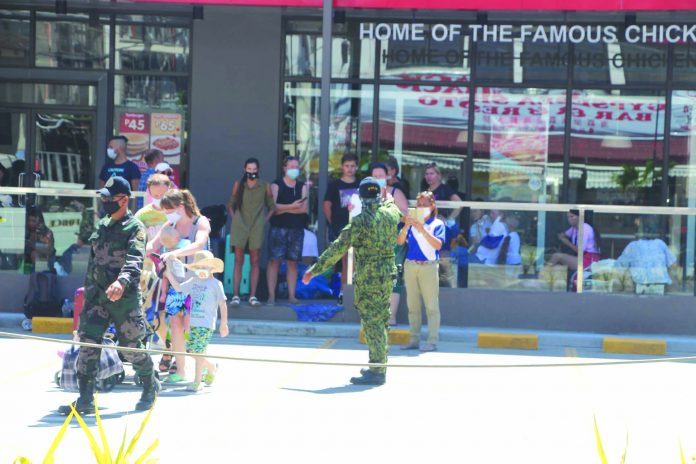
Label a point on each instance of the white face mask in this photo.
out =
(156, 202)
(173, 217)
(111, 153)
(423, 212)
(202, 273)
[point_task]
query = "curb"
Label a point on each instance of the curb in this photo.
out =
(482, 337)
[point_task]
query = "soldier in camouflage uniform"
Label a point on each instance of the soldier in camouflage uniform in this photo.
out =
(112, 294)
(372, 234)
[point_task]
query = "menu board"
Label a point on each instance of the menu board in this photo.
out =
(136, 128)
(165, 135)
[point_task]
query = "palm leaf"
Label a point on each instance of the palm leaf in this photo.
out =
(119, 456)
(600, 448)
(681, 453)
(105, 444)
(49, 455)
(136, 437)
(623, 456)
(92, 442)
(141, 459)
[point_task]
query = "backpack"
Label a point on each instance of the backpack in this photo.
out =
(42, 296)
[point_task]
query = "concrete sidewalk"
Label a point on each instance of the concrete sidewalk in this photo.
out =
(484, 337)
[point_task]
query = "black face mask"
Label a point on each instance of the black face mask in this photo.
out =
(251, 175)
(111, 207)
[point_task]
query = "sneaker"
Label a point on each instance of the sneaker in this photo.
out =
(194, 387)
(26, 324)
(340, 299)
(235, 301)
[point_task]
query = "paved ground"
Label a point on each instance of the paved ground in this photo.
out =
(259, 412)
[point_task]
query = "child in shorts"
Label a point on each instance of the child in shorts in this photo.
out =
(207, 296)
(177, 306)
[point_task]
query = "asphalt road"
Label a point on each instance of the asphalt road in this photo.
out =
(261, 412)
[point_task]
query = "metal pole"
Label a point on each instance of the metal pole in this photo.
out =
(324, 116)
(581, 249)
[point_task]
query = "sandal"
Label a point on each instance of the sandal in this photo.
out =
(174, 378)
(165, 363)
(253, 301)
(209, 378)
(194, 387)
(411, 346)
(235, 301)
(172, 368)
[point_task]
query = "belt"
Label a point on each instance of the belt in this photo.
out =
(420, 262)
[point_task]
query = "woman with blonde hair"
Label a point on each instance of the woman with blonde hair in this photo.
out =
(425, 236)
(183, 214)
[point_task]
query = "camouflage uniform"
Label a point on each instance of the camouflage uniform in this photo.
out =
(372, 234)
(117, 250)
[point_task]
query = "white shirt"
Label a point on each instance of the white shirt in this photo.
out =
(490, 255)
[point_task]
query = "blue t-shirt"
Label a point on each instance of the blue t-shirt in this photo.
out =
(419, 249)
(128, 170)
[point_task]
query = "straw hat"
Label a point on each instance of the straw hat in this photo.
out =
(206, 260)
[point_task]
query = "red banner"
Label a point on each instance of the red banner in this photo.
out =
(484, 5)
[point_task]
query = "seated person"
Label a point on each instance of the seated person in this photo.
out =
(569, 238)
(647, 258)
(489, 248)
(39, 243)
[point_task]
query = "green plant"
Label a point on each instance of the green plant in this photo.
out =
(600, 448)
(102, 454)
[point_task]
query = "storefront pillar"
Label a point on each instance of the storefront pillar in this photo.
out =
(324, 117)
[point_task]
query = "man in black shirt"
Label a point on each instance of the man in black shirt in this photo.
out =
(119, 165)
(338, 194)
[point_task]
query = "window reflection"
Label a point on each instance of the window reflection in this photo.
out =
(682, 161)
(62, 44)
(152, 48)
(518, 144)
(14, 40)
(616, 147)
(419, 125)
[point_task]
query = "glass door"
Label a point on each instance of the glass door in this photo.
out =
(13, 148)
(60, 160)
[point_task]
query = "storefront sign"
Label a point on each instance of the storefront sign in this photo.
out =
(166, 135)
(508, 33)
(136, 128)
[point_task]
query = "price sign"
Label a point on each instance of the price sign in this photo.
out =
(136, 128)
(166, 135)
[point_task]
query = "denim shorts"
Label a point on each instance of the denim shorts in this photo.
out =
(286, 243)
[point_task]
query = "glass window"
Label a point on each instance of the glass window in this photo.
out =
(620, 63)
(164, 20)
(522, 61)
(685, 64)
(350, 56)
(148, 48)
(406, 59)
(616, 147)
(351, 125)
(151, 113)
(518, 144)
(651, 253)
(301, 134)
(14, 38)
(48, 94)
(63, 44)
(423, 124)
(682, 148)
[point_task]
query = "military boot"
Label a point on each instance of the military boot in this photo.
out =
(151, 388)
(369, 377)
(85, 403)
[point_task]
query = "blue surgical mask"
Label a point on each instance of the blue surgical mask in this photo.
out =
(111, 153)
(293, 173)
(381, 182)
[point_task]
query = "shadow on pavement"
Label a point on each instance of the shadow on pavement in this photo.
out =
(349, 388)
